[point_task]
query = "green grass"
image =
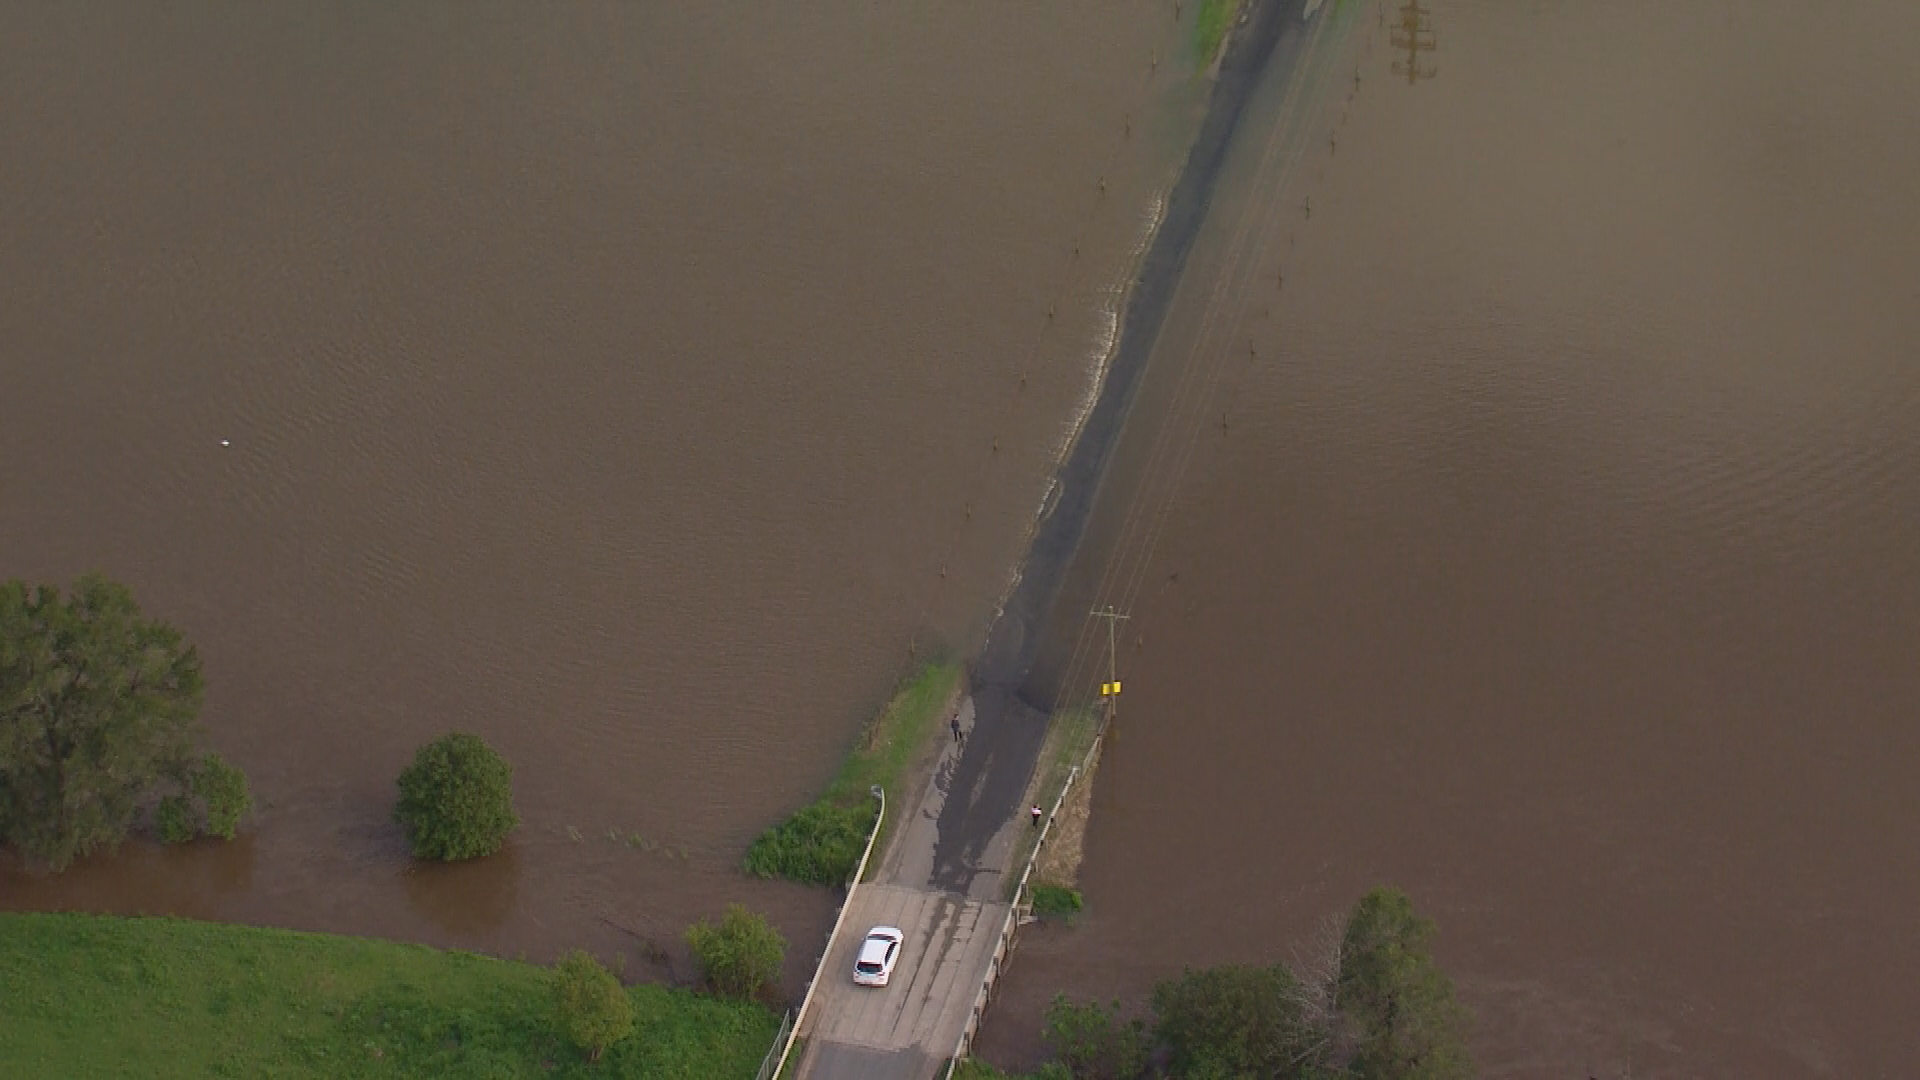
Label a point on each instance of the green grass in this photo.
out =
(976, 1069)
(1210, 25)
(95, 996)
(821, 843)
(1055, 900)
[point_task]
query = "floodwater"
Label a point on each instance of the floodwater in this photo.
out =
(1524, 509)
(642, 387)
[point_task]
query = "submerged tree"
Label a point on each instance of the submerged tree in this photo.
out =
(456, 799)
(215, 800)
(1396, 1003)
(97, 705)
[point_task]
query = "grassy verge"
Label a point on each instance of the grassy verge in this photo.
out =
(96, 996)
(1210, 26)
(1055, 900)
(1069, 737)
(821, 843)
(975, 1069)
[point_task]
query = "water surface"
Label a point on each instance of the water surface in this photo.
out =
(1547, 544)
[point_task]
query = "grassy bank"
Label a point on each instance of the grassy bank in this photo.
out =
(1210, 25)
(1069, 736)
(1059, 862)
(96, 996)
(821, 843)
(976, 1069)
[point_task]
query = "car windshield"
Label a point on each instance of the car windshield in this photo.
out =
(868, 967)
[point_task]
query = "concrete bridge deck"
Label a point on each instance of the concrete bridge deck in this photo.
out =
(908, 1027)
(943, 882)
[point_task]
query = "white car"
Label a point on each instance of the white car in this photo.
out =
(874, 965)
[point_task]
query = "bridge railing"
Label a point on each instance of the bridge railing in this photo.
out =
(783, 1042)
(1022, 903)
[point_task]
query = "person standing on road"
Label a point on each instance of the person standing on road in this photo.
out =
(1034, 813)
(954, 722)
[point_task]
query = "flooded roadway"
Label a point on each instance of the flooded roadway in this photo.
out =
(634, 385)
(1548, 544)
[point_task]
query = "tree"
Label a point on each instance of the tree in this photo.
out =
(1092, 1044)
(1235, 1021)
(1397, 1003)
(175, 820)
(223, 787)
(213, 802)
(97, 704)
(740, 955)
(590, 1005)
(456, 799)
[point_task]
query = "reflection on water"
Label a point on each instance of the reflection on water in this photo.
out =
(1561, 559)
(194, 880)
(470, 899)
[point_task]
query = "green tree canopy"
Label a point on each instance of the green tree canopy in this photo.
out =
(592, 1008)
(1397, 1003)
(741, 954)
(1092, 1044)
(218, 786)
(97, 704)
(456, 799)
(1235, 1021)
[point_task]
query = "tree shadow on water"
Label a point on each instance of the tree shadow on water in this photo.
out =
(468, 898)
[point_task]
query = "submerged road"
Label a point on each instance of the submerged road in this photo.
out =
(944, 880)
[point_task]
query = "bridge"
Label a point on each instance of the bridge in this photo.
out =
(945, 882)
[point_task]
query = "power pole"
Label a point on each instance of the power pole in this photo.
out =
(1414, 33)
(1110, 690)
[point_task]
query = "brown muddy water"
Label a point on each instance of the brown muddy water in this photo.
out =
(632, 384)
(1549, 544)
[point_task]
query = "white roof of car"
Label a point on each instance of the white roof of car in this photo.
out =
(874, 949)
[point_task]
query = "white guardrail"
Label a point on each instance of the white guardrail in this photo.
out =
(853, 883)
(1005, 944)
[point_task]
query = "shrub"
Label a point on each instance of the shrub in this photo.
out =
(456, 799)
(740, 955)
(1092, 1044)
(174, 817)
(820, 845)
(213, 784)
(590, 1005)
(1234, 1021)
(1398, 1004)
(224, 789)
(1055, 900)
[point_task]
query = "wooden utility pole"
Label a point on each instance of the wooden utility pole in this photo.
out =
(1110, 690)
(1414, 33)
